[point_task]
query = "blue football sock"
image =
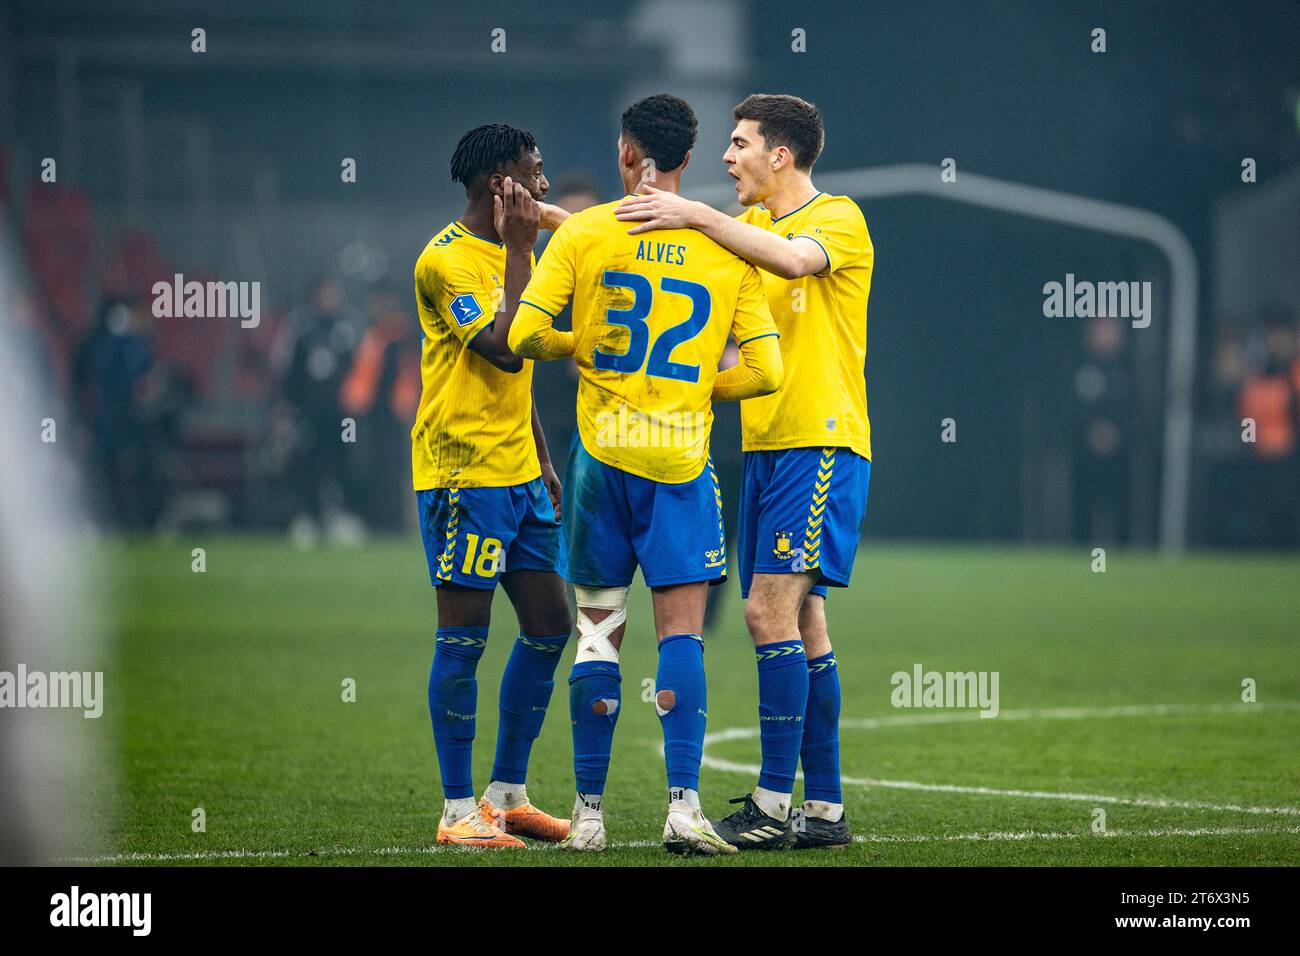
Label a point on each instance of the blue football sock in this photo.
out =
(682, 704)
(593, 707)
(453, 700)
(782, 696)
(821, 731)
(525, 693)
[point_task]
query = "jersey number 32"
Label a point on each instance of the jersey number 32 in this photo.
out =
(660, 363)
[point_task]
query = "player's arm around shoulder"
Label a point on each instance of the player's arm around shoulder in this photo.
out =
(533, 333)
(552, 217)
(767, 250)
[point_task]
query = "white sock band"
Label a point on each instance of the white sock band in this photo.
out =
(772, 803)
(593, 636)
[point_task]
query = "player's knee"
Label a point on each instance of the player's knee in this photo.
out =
(564, 621)
(766, 623)
(601, 612)
(550, 622)
(812, 621)
(461, 606)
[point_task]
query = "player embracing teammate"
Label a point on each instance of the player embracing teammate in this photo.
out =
(486, 491)
(653, 307)
(651, 317)
(807, 451)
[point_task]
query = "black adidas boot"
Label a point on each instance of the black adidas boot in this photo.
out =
(814, 833)
(749, 828)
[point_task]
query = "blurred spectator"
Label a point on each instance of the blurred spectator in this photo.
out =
(1223, 462)
(1270, 399)
(108, 372)
(574, 191)
(314, 354)
(1103, 396)
(382, 392)
(1227, 371)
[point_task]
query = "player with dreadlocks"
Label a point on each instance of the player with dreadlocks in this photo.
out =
(488, 497)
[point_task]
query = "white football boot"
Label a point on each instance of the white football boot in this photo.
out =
(687, 831)
(586, 830)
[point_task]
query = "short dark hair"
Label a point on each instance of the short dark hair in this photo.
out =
(485, 149)
(787, 121)
(663, 126)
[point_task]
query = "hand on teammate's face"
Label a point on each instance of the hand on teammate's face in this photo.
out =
(517, 215)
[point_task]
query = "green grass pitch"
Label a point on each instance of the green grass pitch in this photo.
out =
(225, 692)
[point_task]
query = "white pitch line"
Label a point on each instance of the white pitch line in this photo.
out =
(990, 837)
(998, 837)
(199, 855)
(1058, 713)
(178, 857)
(1051, 713)
(1156, 803)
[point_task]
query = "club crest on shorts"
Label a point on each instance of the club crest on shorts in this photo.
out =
(783, 548)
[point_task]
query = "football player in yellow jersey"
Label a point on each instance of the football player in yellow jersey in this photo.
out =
(486, 491)
(651, 318)
(807, 452)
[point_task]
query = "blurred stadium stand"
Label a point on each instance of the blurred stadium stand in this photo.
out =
(226, 165)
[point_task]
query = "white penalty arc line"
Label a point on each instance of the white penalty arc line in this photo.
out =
(990, 837)
(1058, 713)
(1048, 713)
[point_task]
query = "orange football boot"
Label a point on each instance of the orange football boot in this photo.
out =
(526, 820)
(476, 830)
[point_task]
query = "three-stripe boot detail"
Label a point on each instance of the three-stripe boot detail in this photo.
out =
(749, 828)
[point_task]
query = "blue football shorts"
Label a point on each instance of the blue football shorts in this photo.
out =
(615, 521)
(801, 509)
(472, 536)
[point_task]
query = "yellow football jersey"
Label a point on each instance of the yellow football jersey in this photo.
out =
(473, 428)
(823, 323)
(651, 316)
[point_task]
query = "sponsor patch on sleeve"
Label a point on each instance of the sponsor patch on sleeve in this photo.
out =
(465, 309)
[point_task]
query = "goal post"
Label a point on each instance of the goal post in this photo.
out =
(1086, 213)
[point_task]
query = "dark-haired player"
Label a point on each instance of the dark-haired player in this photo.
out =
(807, 452)
(486, 490)
(651, 316)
